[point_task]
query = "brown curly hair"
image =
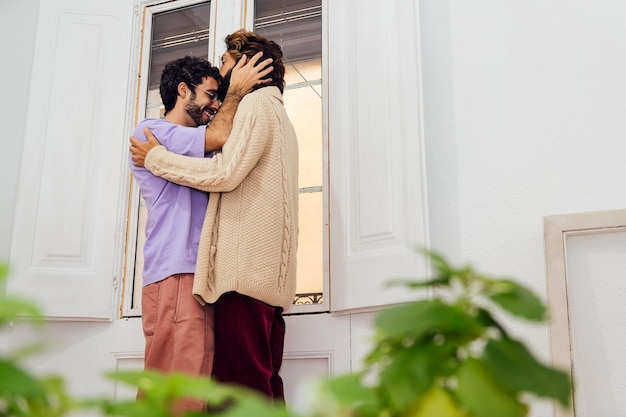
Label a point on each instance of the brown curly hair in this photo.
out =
(247, 43)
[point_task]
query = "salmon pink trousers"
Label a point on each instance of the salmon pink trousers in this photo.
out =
(178, 331)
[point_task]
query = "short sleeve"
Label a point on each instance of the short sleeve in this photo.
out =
(179, 139)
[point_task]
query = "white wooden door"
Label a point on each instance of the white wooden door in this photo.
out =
(66, 233)
(69, 230)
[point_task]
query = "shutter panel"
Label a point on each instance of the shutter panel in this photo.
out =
(64, 249)
(377, 196)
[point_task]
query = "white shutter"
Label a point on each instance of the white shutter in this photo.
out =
(67, 226)
(377, 197)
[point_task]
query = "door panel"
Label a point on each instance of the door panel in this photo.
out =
(378, 201)
(316, 346)
(63, 253)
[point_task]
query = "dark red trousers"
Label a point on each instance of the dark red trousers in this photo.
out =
(249, 340)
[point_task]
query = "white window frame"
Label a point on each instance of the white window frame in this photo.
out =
(220, 27)
(144, 11)
(376, 212)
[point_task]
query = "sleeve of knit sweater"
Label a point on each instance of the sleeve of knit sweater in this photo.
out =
(224, 171)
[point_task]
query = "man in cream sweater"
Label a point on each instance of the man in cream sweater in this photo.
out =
(246, 264)
(178, 330)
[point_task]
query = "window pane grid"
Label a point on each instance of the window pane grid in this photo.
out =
(297, 27)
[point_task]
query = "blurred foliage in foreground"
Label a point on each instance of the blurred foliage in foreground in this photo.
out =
(445, 356)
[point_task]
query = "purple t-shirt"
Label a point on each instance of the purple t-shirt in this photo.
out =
(175, 213)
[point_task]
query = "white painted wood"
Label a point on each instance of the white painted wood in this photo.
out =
(229, 16)
(13, 112)
(316, 346)
(127, 361)
(63, 253)
(595, 266)
(83, 352)
(377, 196)
(301, 371)
(586, 257)
(325, 156)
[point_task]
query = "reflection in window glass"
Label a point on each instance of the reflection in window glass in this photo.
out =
(297, 27)
(304, 106)
(175, 33)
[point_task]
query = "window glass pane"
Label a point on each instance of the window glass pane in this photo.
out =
(304, 106)
(175, 33)
(297, 27)
(301, 72)
(310, 244)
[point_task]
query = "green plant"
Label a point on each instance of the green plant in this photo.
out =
(450, 356)
(23, 394)
(445, 356)
(160, 393)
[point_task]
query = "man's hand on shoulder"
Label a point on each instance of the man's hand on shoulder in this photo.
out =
(139, 149)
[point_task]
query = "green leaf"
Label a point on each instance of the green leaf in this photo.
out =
(443, 273)
(408, 377)
(423, 317)
(483, 396)
(24, 395)
(514, 365)
(436, 402)
(418, 284)
(439, 263)
(13, 308)
(351, 394)
(486, 319)
(161, 387)
(182, 385)
(137, 378)
(160, 391)
(253, 406)
(516, 299)
(138, 408)
(14, 381)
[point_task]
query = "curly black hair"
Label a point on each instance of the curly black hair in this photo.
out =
(190, 70)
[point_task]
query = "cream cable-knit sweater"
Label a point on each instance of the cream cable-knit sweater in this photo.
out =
(250, 233)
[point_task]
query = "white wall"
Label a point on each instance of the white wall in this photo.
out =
(18, 26)
(524, 117)
(525, 109)
(17, 40)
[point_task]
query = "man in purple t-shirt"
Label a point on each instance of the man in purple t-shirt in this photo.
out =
(177, 329)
